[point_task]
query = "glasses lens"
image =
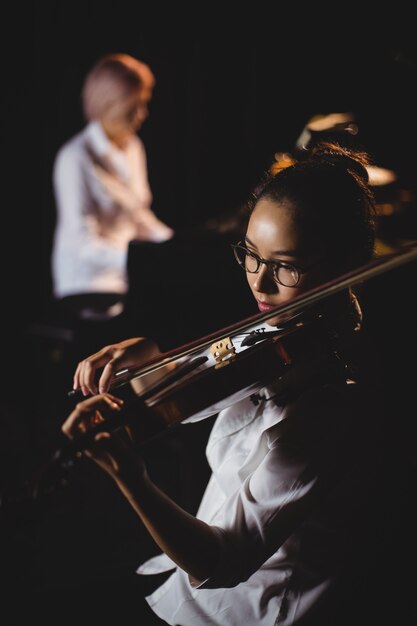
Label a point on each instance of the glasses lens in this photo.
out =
(246, 259)
(287, 275)
(251, 262)
(239, 256)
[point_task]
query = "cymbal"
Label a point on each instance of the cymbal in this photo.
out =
(379, 176)
(319, 123)
(282, 160)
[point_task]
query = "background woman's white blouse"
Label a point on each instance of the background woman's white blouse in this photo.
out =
(103, 201)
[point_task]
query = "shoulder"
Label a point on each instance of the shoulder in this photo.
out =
(332, 419)
(330, 403)
(72, 153)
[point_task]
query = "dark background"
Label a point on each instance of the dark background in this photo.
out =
(232, 89)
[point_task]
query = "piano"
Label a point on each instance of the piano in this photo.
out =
(185, 288)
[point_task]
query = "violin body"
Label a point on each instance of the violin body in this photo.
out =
(212, 389)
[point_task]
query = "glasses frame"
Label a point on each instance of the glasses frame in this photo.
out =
(272, 266)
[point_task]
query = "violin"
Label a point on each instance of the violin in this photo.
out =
(203, 377)
(205, 382)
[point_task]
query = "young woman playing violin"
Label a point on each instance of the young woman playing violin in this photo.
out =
(283, 513)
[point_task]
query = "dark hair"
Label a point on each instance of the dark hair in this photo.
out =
(329, 196)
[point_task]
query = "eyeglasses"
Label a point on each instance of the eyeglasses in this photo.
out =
(282, 273)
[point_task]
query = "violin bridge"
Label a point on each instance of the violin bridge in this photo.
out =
(223, 350)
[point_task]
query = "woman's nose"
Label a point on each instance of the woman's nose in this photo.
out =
(263, 281)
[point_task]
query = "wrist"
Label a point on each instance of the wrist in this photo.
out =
(131, 472)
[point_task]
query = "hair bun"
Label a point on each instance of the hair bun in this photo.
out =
(339, 156)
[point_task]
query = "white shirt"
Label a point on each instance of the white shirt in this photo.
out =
(282, 545)
(103, 201)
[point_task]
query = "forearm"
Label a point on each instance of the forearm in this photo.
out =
(195, 546)
(189, 542)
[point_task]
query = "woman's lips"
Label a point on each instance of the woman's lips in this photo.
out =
(263, 306)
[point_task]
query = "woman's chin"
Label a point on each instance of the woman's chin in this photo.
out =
(278, 320)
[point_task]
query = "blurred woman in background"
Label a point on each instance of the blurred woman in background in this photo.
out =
(102, 194)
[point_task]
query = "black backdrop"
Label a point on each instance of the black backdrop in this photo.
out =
(231, 91)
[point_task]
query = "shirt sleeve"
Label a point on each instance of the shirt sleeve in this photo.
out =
(262, 520)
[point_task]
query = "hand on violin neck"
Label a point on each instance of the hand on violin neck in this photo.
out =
(99, 427)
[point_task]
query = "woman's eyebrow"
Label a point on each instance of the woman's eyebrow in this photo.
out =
(291, 253)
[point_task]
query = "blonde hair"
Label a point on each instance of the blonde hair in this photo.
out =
(111, 81)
